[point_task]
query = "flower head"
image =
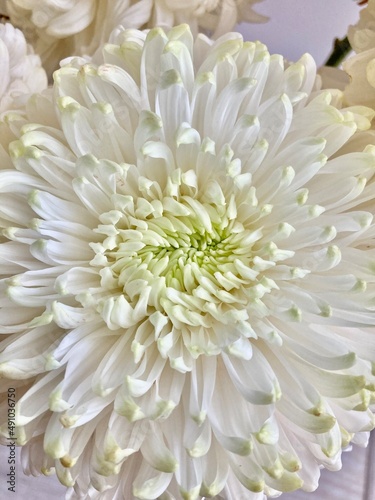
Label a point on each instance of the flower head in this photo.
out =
(21, 71)
(187, 267)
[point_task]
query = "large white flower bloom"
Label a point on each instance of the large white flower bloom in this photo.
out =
(188, 272)
(361, 67)
(21, 72)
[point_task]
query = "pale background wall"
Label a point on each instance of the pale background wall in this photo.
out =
(299, 26)
(295, 27)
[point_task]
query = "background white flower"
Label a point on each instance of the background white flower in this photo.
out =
(21, 72)
(361, 67)
(62, 28)
(214, 17)
(187, 267)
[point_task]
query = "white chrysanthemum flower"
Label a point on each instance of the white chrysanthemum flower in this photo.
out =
(361, 67)
(21, 71)
(60, 28)
(214, 17)
(188, 270)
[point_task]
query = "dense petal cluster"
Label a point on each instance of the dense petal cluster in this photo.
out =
(187, 272)
(361, 67)
(21, 72)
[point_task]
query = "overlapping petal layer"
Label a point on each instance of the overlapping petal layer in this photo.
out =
(187, 263)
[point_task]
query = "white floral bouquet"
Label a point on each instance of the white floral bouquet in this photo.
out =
(187, 250)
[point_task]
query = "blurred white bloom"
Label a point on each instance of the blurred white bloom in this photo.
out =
(362, 34)
(187, 265)
(61, 28)
(21, 72)
(214, 17)
(361, 67)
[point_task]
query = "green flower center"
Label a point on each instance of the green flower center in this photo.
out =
(178, 250)
(185, 253)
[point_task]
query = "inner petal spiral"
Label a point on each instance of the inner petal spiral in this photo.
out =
(195, 259)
